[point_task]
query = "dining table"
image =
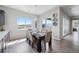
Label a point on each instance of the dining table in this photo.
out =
(39, 36)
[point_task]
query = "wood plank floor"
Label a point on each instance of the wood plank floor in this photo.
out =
(69, 44)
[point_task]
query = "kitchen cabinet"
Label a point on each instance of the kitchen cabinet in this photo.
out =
(2, 17)
(4, 39)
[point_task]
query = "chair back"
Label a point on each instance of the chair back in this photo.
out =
(48, 36)
(30, 35)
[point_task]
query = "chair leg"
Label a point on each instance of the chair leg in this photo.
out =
(49, 43)
(44, 46)
(29, 42)
(27, 39)
(32, 44)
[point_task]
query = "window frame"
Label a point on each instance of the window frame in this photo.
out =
(46, 23)
(25, 23)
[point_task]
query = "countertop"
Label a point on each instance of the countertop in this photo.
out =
(2, 34)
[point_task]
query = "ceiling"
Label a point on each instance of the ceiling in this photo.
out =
(71, 10)
(34, 9)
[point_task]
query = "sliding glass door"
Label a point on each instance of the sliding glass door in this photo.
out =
(75, 25)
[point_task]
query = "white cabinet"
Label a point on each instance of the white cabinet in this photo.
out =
(2, 17)
(4, 39)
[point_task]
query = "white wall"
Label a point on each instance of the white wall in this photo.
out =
(11, 22)
(49, 14)
(57, 31)
(65, 23)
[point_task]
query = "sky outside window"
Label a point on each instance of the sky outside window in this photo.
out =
(23, 21)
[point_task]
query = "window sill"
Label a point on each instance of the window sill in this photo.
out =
(21, 29)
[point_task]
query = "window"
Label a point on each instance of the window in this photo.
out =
(46, 23)
(75, 24)
(24, 23)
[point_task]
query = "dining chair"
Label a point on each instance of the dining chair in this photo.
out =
(48, 39)
(27, 35)
(32, 39)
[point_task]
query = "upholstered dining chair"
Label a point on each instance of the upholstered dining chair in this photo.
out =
(48, 39)
(31, 39)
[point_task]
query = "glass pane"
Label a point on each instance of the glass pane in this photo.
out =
(43, 21)
(28, 21)
(21, 20)
(49, 22)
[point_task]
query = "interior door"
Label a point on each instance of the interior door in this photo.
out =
(65, 26)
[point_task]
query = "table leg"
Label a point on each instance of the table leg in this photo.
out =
(39, 46)
(2, 49)
(50, 43)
